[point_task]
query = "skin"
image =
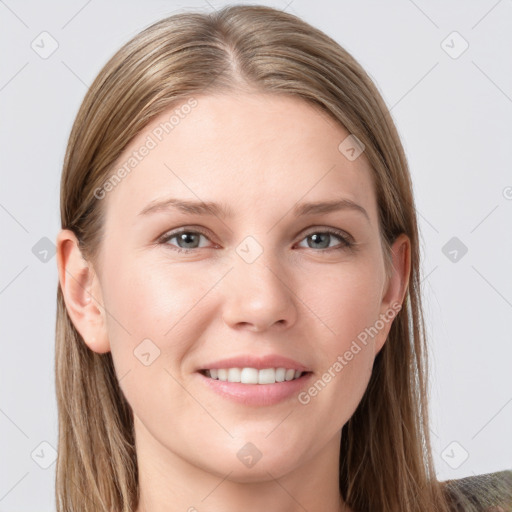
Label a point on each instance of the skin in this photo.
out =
(260, 155)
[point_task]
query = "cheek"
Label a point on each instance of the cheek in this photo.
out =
(346, 300)
(151, 326)
(151, 300)
(148, 297)
(347, 309)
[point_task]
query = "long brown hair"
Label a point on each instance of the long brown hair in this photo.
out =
(385, 459)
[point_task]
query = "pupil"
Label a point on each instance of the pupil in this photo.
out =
(315, 238)
(185, 237)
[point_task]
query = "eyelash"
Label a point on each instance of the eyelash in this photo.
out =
(346, 243)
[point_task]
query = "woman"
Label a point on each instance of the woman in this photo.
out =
(254, 369)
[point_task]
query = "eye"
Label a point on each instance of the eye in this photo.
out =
(188, 240)
(321, 239)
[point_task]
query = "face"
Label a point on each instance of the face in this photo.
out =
(182, 289)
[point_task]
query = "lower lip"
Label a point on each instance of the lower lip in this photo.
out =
(258, 394)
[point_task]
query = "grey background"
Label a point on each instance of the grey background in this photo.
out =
(454, 115)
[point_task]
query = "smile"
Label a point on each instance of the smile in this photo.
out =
(257, 388)
(253, 375)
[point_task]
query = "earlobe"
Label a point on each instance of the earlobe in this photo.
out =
(397, 284)
(82, 292)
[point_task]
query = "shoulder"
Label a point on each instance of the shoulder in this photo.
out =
(479, 493)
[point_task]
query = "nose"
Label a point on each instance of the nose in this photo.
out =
(259, 296)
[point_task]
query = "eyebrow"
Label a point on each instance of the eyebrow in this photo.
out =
(221, 210)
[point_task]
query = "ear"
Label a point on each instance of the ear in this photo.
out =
(395, 287)
(82, 293)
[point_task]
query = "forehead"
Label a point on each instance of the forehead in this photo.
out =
(248, 151)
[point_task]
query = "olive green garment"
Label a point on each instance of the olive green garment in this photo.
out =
(480, 493)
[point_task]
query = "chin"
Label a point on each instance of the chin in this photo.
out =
(248, 464)
(260, 472)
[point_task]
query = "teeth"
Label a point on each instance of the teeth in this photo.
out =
(254, 376)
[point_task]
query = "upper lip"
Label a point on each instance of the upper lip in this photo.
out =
(261, 362)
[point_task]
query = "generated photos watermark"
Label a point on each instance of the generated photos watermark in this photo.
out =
(363, 337)
(151, 142)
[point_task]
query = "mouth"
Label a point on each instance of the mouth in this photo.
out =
(252, 387)
(264, 376)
